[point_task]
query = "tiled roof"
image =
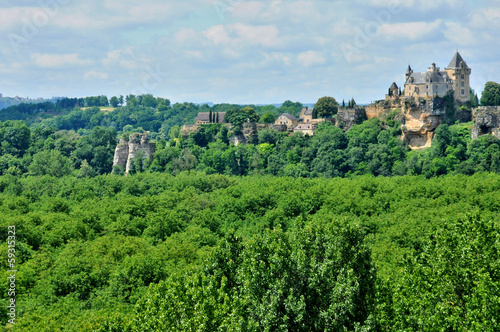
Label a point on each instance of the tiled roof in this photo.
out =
(429, 77)
(204, 116)
(455, 62)
(289, 116)
(309, 111)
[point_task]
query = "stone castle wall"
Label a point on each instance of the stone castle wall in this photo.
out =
(486, 121)
(349, 117)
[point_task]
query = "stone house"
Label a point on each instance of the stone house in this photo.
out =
(305, 128)
(204, 117)
(306, 115)
(286, 119)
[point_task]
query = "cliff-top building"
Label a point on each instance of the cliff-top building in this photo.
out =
(434, 82)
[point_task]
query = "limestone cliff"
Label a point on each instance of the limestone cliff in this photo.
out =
(420, 117)
(486, 121)
(137, 146)
(121, 154)
(418, 128)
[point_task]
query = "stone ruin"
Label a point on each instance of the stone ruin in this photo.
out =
(126, 152)
(487, 121)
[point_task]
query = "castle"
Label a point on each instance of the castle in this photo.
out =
(434, 82)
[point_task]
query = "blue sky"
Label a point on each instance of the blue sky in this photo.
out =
(239, 51)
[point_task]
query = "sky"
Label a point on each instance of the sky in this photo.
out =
(239, 51)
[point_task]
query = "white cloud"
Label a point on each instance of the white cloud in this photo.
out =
(93, 74)
(218, 34)
(311, 58)
(58, 60)
(266, 35)
(460, 35)
(411, 30)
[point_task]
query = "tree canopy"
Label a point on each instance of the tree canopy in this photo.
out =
(491, 94)
(326, 107)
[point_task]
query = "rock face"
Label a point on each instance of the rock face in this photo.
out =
(121, 154)
(420, 117)
(248, 134)
(419, 127)
(238, 139)
(137, 146)
(486, 121)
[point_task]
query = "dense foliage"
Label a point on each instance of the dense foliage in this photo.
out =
(491, 94)
(373, 147)
(117, 253)
(325, 107)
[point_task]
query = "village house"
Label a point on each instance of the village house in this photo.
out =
(305, 128)
(204, 117)
(286, 119)
(307, 115)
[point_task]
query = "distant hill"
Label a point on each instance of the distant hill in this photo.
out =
(12, 101)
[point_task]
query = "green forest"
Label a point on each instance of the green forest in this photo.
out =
(339, 231)
(197, 252)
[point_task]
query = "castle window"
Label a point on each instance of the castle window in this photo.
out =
(463, 84)
(463, 76)
(463, 92)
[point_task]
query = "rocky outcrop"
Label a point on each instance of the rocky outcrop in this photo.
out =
(121, 154)
(486, 121)
(419, 117)
(418, 128)
(250, 132)
(137, 146)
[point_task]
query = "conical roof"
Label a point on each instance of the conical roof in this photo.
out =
(455, 62)
(409, 70)
(394, 86)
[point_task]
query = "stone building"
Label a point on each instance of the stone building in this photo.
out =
(286, 119)
(306, 115)
(204, 117)
(434, 82)
(126, 152)
(393, 92)
(305, 128)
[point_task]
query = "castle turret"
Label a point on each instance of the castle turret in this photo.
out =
(459, 72)
(394, 90)
(409, 71)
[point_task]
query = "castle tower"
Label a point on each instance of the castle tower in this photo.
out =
(409, 71)
(459, 72)
(393, 92)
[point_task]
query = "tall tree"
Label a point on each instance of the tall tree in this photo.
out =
(326, 107)
(491, 94)
(114, 101)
